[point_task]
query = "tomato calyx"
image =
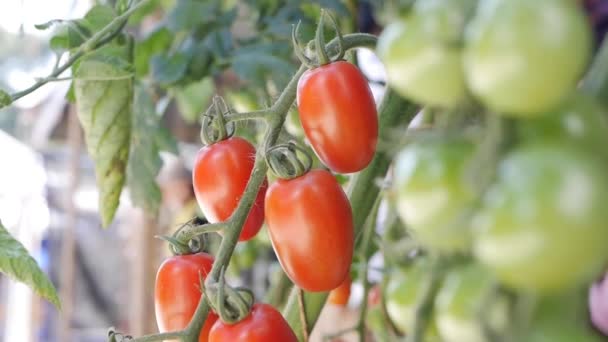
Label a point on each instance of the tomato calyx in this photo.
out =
(232, 305)
(319, 44)
(284, 162)
(214, 127)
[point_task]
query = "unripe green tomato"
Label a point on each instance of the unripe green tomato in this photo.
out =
(431, 194)
(580, 119)
(523, 57)
(402, 291)
(461, 298)
(422, 53)
(560, 319)
(542, 226)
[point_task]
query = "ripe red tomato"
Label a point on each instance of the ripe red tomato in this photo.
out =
(339, 116)
(177, 292)
(264, 324)
(341, 294)
(220, 175)
(310, 223)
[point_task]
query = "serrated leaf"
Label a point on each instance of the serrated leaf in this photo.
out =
(156, 42)
(16, 262)
(104, 95)
(144, 159)
(194, 98)
(168, 70)
(5, 99)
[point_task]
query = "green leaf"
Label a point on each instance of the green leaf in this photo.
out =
(103, 88)
(144, 159)
(188, 14)
(5, 99)
(194, 98)
(156, 42)
(16, 262)
(168, 70)
(72, 33)
(260, 62)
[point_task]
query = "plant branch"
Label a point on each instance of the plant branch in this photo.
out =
(100, 38)
(595, 82)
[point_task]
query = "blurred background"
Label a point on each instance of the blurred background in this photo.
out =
(48, 195)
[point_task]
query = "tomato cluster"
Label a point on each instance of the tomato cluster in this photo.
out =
(309, 217)
(536, 226)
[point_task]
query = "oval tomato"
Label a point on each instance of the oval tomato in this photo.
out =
(178, 291)
(220, 175)
(310, 224)
(522, 57)
(459, 301)
(339, 116)
(264, 324)
(542, 226)
(340, 295)
(430, 192)
(423, 54)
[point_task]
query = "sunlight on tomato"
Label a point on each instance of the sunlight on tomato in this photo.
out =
(522, 57)
(431, 196)
(542, 226)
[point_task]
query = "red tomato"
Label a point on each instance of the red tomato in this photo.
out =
(220, 175)
(264, 324)
(310, 223)
(177, 292)
(341, 294)
(339, 116)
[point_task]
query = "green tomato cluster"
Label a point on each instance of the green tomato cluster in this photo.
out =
(517, 57)
(538, 226)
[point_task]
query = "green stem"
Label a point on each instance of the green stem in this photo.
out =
(362, 194)
(102, 37)
(424, 304)
(255, 115)
(368, 233)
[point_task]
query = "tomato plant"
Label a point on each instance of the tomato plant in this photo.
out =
(264, 323)
(506, 53)
(341, 294)
(311, 228)
(220, 175)
(423, 52)
(339, 116)
(430, 192)
(178, 292)
(542, 225)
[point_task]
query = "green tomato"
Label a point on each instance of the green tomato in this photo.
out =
(422, 53)
(522, 57)
(560, 319)
(402, 291)
(459, 301)
(581, 119)
(431, 195)
(543, 224)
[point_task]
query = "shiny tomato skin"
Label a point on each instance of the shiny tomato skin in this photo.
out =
(177, 292)
(341, 294)
(220, 176)
(310, 224)
(339, 116)
(264, 324)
